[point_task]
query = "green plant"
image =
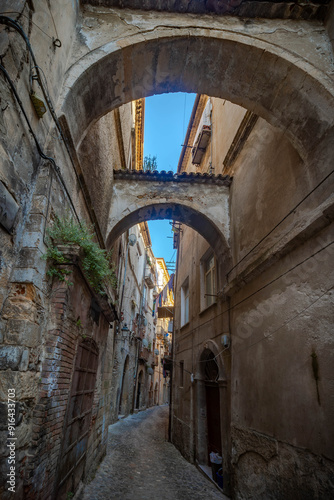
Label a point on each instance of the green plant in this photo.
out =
(69, 495)
(150, 163)
(96, 262)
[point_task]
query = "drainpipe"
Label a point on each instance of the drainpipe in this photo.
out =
(171, 403)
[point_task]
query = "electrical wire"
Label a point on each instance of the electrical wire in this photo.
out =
(54, 24)
(281, 221)
(270, 334)
(15, 25)
(39, 149)
(261, 288)
(30, 20)
(286, 322)
(230, 308)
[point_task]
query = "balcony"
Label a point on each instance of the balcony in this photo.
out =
(160, 333)
(144, 354)
(149, 278)
(140, 334)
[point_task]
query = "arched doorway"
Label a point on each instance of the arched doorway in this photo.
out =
(156, 394)
(211, 375)
(212, 410)
(79, 412)
(139, 388)
(124, 394)
(150, 394)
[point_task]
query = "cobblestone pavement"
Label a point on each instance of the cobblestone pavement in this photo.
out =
(141, 465)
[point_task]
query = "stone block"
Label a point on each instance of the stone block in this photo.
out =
(24, 363)
(31, 257)
(10, 357)
(33, 239)
(42, 185)
(36, 223)
(39, 205)
(8, 208)
(28, 275)
(25, 384)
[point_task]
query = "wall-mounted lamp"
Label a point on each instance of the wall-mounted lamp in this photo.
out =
(226, 340)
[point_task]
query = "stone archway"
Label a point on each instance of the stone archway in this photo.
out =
(290, 91)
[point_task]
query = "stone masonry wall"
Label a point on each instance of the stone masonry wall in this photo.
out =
(70, 321)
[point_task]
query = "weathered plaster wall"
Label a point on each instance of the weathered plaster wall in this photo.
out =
(98, 160)
(269, 180)
(280, 328)
(204, 323)
(282, 361)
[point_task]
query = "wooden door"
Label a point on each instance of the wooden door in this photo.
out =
(213, 418)
(79, 413)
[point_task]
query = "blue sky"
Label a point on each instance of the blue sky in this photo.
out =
(166, 121)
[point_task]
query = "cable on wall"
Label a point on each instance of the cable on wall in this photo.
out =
(39, 149)
(230, 308)
(269, 335)
(15, 25)
(280, 222)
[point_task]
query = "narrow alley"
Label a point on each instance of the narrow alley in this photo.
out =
(166, 238)
(141, 465)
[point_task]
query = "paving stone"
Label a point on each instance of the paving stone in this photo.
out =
(142, 465)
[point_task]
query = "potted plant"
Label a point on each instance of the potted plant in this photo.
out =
(69, 241)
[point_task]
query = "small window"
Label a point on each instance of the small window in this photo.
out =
(185, 302)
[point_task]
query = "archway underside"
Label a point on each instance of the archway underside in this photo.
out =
(282, 90)
(173, 211)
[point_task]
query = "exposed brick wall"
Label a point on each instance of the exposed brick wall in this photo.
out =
(63, 335)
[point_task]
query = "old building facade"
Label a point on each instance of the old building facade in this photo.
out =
(271, 231)
(232, 352)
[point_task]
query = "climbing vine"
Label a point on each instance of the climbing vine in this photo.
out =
(96, 262)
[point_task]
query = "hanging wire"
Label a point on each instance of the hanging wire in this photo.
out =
(230, 308)
(15, 25)
(38, 146)
(281, 221)
(30, 20)
(290, 320)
